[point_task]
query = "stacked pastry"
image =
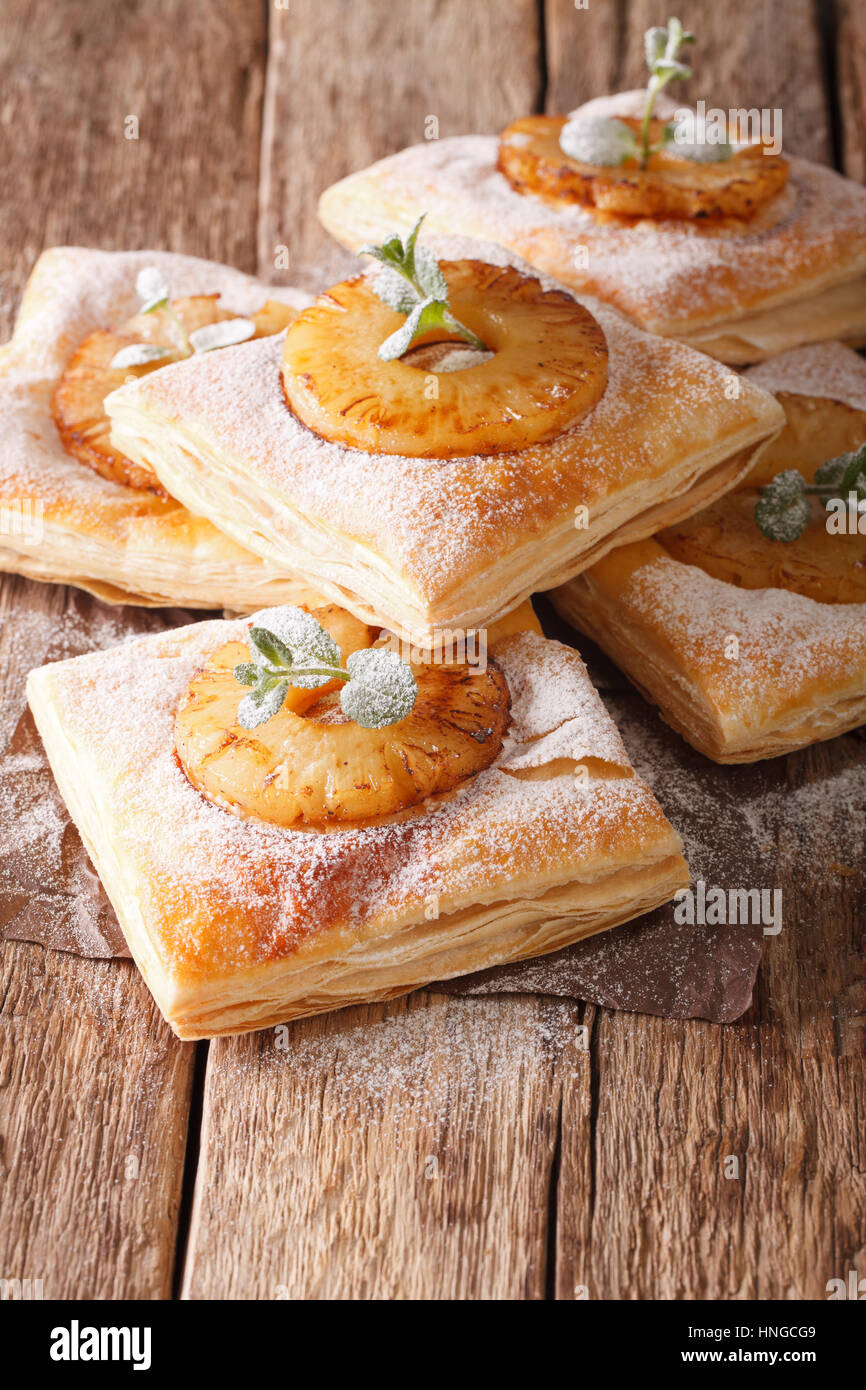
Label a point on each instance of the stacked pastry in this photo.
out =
(391, 776)
(72, 508)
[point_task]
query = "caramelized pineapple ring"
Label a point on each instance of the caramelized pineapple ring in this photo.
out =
(77, 405)
(548, 369)
(531, 159)
(309, 766)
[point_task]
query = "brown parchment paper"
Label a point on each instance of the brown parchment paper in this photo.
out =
(49, 892)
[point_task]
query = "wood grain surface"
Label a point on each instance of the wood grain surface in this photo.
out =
(400, 1151)
(435, 1147)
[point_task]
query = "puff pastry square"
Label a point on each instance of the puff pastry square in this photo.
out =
(794, 274)
(237, 925)
(59, 520)
(743, 668)
(419, 544)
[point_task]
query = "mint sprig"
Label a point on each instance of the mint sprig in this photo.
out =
(153, 292)
(662, 57)
(411, 282)
(608, 142)
(289, 647)
(782, 511)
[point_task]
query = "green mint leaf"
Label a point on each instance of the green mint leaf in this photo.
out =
(671, 70)
(413, 284)
(600, 140)
(782, 512)
(246, 672)
(382, 689)
(307, 642)
(693, 139)
(430, 314)
(394, 290)
(428, 276)
(831, 473)
(402, 339)
(392, 248)
(854, 477)
(224, 334)
(261, 705)
(662, 47)
(267, 649)
(655, 41)
(152, 289)
(377, 252)
(409, 248)
(138, 355)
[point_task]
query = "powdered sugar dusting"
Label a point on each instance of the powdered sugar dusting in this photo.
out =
(432, 518)
(254, 892)
(551, 691)
(787, 643)
(665, 274)
(94, 528)
(828, 371)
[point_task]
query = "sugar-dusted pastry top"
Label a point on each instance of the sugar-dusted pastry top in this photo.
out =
(791, 651)
(218, 893)
(825, 371)
(672, 276)
(94, 528)
(665, 413)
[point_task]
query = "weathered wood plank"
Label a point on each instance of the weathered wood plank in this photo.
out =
(767, 54)
(95, 1089)
(347, 84)
(72, 76)
(95, 1094)
(399, 1151)
(674, 1104)
(850, 63)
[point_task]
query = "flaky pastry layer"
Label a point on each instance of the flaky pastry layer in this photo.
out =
(751, 669)
(61, 522)
(793, 274)
(236, 924)
(419, 543)
(797, 674)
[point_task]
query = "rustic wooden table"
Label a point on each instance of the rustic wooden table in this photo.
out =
(465, 1147)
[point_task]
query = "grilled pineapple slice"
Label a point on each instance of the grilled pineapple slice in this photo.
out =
(724, 541)
(549, 367)
(531, 159)
(309, 766)
(77, 405)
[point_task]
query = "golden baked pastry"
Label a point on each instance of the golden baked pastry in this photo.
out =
(238, 924)
(750, 647)
(740, 287)
(60, 521)
(90, 375)
(424, 543)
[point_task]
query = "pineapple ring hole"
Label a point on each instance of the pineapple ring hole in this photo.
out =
(449, 355)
